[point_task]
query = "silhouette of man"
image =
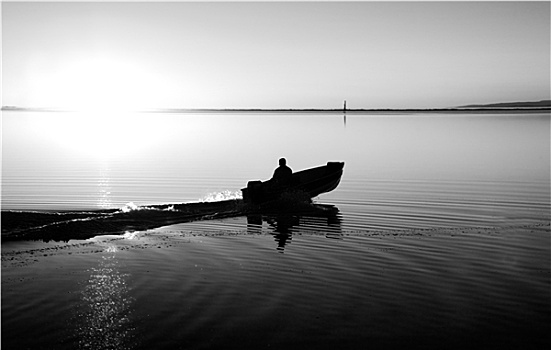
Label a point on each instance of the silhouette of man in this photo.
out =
(282, 175)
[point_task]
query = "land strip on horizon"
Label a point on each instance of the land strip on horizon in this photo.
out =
(543, 105)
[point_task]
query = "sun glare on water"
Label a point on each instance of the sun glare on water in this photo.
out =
(100, 135)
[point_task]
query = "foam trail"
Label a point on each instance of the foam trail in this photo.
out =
(128, 207)
(221, 196)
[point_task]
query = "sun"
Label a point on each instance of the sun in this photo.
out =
(103, 94)
(103, 83)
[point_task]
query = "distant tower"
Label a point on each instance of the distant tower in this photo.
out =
(344, 108)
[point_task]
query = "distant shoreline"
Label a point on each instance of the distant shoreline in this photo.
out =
(507, 107)
(312, 110)
(352, 111)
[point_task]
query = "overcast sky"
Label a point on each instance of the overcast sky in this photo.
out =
(274, 55)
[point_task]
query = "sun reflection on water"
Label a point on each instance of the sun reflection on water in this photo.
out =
(104, 190)
(106, 307)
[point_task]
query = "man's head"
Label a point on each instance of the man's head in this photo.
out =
(282, 161)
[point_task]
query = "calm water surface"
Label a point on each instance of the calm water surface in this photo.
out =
(401, 170)
(440, 234)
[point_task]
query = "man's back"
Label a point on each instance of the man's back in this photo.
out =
(283, 174)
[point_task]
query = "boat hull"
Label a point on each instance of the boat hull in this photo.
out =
(310, 182)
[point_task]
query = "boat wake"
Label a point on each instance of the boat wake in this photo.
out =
(63, 226)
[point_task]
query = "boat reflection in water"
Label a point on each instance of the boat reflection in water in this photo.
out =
(320, 219)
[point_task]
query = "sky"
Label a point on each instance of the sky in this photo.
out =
(122, 55)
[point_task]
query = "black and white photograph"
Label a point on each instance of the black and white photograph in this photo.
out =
(275, 175)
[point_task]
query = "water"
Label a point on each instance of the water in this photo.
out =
(61, 161)
(438, 232)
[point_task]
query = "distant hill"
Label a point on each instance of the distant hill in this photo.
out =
(538, 104)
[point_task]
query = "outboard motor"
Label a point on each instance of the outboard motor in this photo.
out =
(253, 192)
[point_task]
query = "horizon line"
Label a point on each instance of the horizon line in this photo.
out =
(541, 104)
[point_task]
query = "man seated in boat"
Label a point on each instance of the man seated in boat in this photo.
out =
(283, 174)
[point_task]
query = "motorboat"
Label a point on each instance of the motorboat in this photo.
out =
(306, 183)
